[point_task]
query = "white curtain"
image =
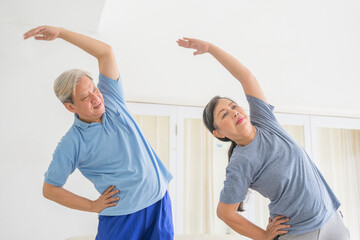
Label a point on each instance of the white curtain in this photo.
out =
(199, 210)
(338, 159)
(156, 131)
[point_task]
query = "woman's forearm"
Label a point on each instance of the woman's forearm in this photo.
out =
(244, 227)
(248, 81)
(234, 66)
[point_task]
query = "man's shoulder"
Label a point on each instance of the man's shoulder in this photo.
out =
(71, 137)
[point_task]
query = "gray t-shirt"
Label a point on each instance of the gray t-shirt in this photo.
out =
(274, 165)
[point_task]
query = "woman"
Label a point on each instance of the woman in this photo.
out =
(265, 158)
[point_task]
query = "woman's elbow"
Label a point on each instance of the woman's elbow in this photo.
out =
(220, 213)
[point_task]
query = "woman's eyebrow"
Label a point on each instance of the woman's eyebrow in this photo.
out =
(223, 109)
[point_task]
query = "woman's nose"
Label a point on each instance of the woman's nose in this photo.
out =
(235, 114)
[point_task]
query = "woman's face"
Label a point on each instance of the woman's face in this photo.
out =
(231, 121)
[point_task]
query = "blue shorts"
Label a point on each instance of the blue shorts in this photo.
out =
(153, 223)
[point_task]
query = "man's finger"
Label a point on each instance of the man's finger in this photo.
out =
(112, 193)
(109, 189)
(282, 232)
(110, 200)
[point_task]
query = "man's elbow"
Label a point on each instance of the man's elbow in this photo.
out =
(106, 51)
(47, 190)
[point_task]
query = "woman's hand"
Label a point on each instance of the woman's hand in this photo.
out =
(200, 46)
(274, 228)
(47, 33)
(105, 200)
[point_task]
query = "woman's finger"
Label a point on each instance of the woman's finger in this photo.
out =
(278, 217)
(39, 37)
(283, 220)
(282, 226)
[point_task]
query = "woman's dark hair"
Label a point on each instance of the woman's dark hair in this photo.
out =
(208, 118)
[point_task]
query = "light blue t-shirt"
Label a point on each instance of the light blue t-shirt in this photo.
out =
(274, 165)
(112, 153)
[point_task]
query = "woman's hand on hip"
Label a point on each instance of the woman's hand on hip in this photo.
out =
(275, 227)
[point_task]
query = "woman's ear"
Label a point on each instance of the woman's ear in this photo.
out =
(218, 134)
(70, 107)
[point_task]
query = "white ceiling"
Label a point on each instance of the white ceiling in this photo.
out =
(80, 15)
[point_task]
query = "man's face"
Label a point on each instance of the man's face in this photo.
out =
(88, 101)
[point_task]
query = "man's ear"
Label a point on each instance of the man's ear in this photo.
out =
(218, 134)
(70, 107)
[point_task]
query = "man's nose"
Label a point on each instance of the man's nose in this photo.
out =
(93, 97)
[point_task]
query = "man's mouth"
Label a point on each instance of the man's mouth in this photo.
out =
(97, 106)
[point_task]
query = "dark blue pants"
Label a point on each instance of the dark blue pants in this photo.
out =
(151, 223)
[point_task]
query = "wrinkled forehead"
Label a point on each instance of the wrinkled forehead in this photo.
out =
(84, 85)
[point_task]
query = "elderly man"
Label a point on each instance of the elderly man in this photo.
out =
(108, 148)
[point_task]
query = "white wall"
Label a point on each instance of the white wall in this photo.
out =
(305, 54)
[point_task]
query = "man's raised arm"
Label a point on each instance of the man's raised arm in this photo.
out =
(100, 50)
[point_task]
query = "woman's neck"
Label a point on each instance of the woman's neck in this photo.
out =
(247, 139)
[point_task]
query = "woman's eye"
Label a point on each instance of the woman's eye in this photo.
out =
(233, 107)
(224, 115)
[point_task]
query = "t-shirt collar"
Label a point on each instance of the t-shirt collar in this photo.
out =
(82, 124)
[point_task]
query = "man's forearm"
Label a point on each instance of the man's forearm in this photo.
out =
(90, 45)
(100, 50)
(67, 198)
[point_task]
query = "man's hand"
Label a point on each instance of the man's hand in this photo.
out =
(47, 33)
(274, 228)
(105, 200)
(200, 46)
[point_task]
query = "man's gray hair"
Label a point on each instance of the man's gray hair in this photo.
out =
(65, 84)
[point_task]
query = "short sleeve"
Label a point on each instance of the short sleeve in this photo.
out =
(261, 113)
(112, 91)
(235, 187)
(60, 169)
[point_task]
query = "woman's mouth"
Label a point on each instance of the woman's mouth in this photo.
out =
(240, 120)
